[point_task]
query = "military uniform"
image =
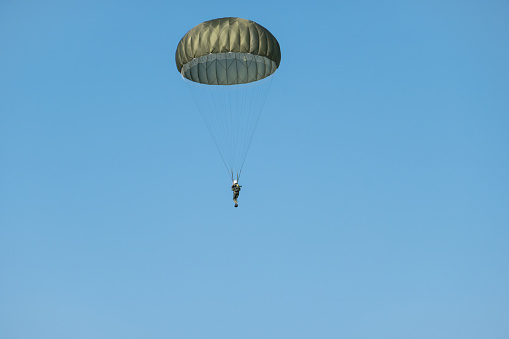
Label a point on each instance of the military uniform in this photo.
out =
(236, 191)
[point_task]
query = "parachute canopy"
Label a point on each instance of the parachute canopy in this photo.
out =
(227, 51)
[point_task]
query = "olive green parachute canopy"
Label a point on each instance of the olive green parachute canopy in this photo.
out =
(227, 51)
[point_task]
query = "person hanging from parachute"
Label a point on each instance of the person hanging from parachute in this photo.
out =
(228, 64)
(236, 191)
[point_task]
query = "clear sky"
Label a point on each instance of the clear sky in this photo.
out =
(375, 199)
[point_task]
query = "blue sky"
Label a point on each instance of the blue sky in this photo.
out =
(375, 193)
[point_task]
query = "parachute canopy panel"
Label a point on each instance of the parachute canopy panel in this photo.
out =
(227, 51)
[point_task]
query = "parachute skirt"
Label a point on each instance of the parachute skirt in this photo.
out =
(228, 68)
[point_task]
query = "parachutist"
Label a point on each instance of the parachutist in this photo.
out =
(236, 190)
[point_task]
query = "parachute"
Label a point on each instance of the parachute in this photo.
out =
(227, 64)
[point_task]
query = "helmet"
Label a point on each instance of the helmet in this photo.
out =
(234, 182)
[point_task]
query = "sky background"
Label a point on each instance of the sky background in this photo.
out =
(375, 199)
